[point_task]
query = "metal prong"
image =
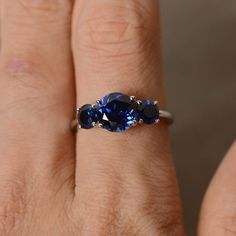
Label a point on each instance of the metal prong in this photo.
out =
(99, 125)
(94, 124)
(79, 127)
(132, 98)
(94, 105)
(155, 102)
(135, 123)
(78, 110)
(140, 121)
(97, 101)
(157, 121)
(139, 102)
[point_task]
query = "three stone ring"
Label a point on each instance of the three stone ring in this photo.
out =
(117, 112)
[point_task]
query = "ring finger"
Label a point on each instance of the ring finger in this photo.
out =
(116, 47)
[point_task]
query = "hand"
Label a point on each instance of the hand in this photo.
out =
(100, 183)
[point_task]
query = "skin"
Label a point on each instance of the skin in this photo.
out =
(59, 54)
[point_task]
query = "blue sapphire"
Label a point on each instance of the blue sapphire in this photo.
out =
(119, 112)
(87, 116)
(148, 111)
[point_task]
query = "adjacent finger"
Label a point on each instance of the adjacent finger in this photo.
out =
(36, 100)
(0, 25)
(218, 212)
(36, 70)
(116, 46)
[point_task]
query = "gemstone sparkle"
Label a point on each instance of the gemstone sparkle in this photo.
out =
(118, 112)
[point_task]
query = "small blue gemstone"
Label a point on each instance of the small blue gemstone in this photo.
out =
(118, 112)
(87, 116)
(148, 111)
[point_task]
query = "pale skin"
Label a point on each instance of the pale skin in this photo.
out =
(59, 54)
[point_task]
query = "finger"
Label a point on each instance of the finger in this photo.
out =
(36, 69)
(218, 212)
(0, 26)
(36, 95)
(116, 48)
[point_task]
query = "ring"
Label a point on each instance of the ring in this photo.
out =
(117, 112)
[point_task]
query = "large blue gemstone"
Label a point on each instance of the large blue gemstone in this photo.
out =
(118, 111)
(148, 112)
(87, 116)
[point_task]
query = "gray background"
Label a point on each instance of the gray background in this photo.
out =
(199, 46)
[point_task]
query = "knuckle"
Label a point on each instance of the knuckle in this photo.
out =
(143, 225)
(100, 210)
(125, 210)
(155, 216)
(24, 69)
(119, 40)
(30, 84)
(118, 30)
(18, 67)
(161, 208)
(25, 78)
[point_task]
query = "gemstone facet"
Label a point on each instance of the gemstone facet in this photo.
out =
(88, 115)
(148, 111)
(118, 112)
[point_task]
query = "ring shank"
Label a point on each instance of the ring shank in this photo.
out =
(167, 116)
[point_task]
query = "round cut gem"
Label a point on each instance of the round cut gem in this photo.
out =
(88, 115)
(148, 111)
(118, 111)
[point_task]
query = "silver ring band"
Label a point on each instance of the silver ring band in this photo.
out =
(167, 116)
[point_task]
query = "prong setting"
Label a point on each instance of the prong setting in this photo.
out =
(139, 102)
(94, 105)
(140, 121)
(132, 98)
(118, 112)
(135, 123)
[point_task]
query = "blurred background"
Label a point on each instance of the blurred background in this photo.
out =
(199, 46)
